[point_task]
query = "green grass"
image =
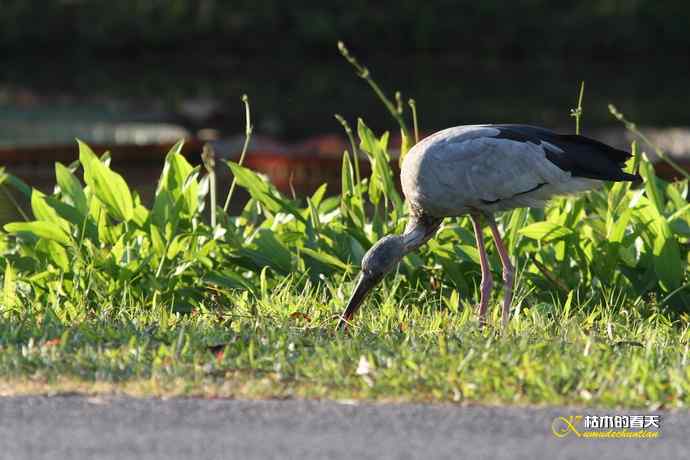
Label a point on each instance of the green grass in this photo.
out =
(405, 347)
(103, 293)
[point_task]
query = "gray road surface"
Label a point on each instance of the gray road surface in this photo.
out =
(76, 427)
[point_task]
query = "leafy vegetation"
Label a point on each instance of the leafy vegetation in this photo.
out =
(98, 287)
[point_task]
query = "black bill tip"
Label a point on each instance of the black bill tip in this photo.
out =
(362, 288)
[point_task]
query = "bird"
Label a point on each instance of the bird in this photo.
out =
(478, 170)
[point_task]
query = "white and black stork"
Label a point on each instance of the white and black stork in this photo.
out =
(479, 170)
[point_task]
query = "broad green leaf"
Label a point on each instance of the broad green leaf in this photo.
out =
(9, 287)
(518, 217)
(166, 213)
(86, 156)
(157, 243)
(381, 181)
(44, 212)
(271, 250)
(347, 177)
(667, 261)
(326, 259)
(227, 279)
(55, 252)
(675, 195)
(314, 215)
(679, 227)
(71, 188)
(654, 193)
(40, 229)
(179, 178)
(619, 226)
(110, 188)
(628, 255)
(317, 197)
(177, 245)
(18, 184)
(263, 191)
(545, 231)
(468, 252)
(367, 139)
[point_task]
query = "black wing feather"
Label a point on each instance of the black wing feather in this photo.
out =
(581, 156)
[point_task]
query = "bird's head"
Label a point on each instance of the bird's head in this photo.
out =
(379, 260)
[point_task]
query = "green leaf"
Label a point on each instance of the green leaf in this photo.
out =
(367, 139)
(44, 212)
(40, 229)
(18, 184)
(326, 259)
(9, 288)
(680, 227)
(667, 261)
(57, 254)
(619, 226)
(317, 197)
(628, 255)
(545, 231)
(107, 185)
(71, 188)
(157, 243)
(263, 191)
(271, 250)
(166, 213)
(179, 178)
(651, 185)
(381, 181)
(227, 279)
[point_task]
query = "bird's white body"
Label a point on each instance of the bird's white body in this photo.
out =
(478, 170)
(468, 168)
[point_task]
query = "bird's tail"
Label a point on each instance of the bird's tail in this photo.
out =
(596, 160)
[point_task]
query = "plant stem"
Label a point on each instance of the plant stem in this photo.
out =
(248, 135)
(630, 126)
(350, 136)
(208, 156)
(413, 108)
(364, 73)
(577, 112)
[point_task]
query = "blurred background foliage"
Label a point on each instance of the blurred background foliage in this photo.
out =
(188, 61)
(602, 27)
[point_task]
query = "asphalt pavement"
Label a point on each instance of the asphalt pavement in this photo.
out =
(77, 427)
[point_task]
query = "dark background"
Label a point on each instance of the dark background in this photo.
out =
(189, 61)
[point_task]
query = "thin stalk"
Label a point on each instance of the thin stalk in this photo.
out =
(127, 254)
(248, 135)
(632, 127)
(413, 109)
(350, 136)
(208, 157)
(549, 275)
(577, 111)
(364, 73)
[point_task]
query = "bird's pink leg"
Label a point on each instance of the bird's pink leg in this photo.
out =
(487, 280)
(508, 272)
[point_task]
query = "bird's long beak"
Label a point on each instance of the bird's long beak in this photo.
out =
(364, 285)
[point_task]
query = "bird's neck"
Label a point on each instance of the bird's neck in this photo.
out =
(419, 230)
